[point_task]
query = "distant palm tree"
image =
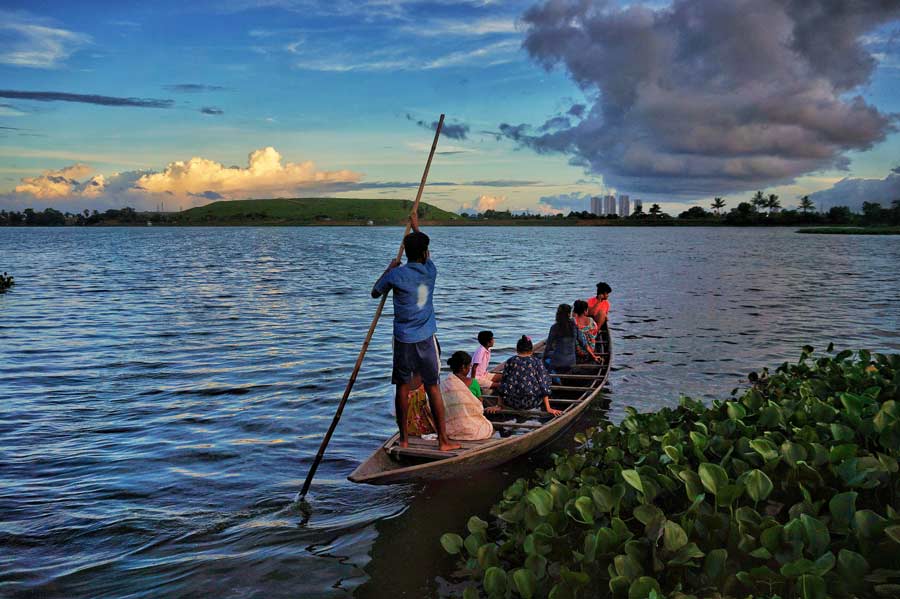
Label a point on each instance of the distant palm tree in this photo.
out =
(758, 201)
(772, 203)
(718, 204)
(655, 209)
(806, 204)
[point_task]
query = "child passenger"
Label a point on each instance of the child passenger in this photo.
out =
(598, 309)
(525, 384)
(463, 412)
(481, 359)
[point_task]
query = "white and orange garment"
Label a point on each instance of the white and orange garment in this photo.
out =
(463, 412)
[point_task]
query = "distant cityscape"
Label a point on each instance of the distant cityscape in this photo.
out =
(619, 206)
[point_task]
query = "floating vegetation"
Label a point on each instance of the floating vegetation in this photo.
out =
(788, 490)
(6, 282)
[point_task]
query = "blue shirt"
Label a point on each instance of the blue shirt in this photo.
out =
(413, 285)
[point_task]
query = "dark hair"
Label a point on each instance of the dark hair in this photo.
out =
(484, 337)
(579, 307)
(603, 288)
(415, 244)
(458, 360)
(524, 344)
(564, 319)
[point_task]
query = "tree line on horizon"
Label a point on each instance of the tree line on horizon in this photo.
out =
(762, 209)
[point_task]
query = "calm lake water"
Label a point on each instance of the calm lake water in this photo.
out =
(163, 391)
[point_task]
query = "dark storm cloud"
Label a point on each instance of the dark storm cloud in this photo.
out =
(192, 88)
(85, 99)
(853, 192)
(211, 110)
(450, 130)
(708, 97)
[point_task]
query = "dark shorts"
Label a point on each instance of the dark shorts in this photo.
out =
(422, 358)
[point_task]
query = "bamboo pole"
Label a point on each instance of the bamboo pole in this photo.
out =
(365, 345)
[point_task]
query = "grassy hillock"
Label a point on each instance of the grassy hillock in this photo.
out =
(305, 211)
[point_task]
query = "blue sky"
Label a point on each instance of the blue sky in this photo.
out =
(342, 84)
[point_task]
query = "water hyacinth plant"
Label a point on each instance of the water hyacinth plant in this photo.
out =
(790, 489)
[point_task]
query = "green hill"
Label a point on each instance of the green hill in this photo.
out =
(308, 211)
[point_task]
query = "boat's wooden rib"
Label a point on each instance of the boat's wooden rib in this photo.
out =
(422, 460)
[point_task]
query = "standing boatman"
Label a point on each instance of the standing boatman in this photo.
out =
(416, 348)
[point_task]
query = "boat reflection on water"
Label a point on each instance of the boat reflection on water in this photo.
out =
(407, 550)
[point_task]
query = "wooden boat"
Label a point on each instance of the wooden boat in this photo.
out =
(521, 432)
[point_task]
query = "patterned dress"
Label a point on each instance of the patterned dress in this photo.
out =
(590, 331)
(525, 383)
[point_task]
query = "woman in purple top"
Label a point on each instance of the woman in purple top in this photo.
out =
(525, 381)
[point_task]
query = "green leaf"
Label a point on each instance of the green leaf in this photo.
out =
(851, 565)
(713, 477)
(541, 499)
(797, 568)
(627, 566)
(603, 498)
(585, 507)
(771, 537)
(618, 586)
(476, 525)
(714, 564)
(537, 564)
(634, 479)
(868, 524)
(692, 484)
(685, 555)
(810, 586)
(648, 513)
(470, 593)
(817, 536)
(642, 587)
(793, 453)
(766, 449)
(758, 484)
(893, 532)
(674, 537)
(842, 507)
(495, 581)
(451, 542)
(525, 582)
(736, 411)
(824, 564)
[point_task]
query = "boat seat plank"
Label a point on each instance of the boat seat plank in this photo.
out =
(421, 443)
(568, 388)
(421, 452)
(517, 424)
(522, 413)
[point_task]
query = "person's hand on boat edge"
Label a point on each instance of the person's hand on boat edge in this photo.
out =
(493, 409)
(550, 410)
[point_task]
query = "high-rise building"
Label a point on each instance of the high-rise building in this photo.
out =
(624, 205)
(609, 204)
(638, 205)
(597, 205)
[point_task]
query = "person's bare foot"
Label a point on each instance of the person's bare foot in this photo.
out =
(448, 446)
(403, 443)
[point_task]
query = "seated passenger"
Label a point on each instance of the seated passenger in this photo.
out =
(419, 420)
(564, 337)
(525, 381)
(480, 361)
(588, 327)
(463, 412)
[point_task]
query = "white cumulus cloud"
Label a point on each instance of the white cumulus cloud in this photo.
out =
(265, 173)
